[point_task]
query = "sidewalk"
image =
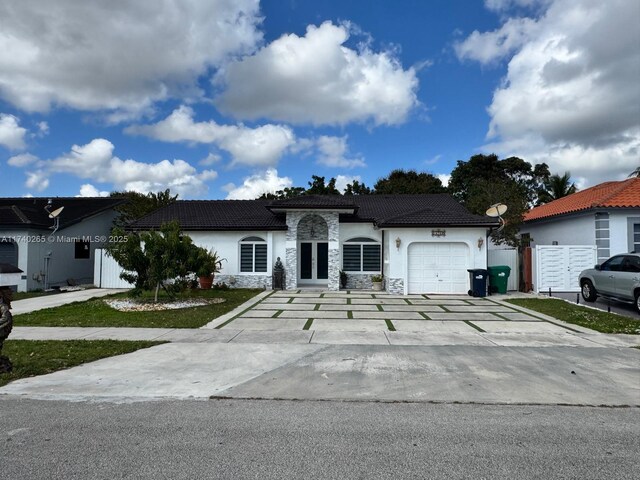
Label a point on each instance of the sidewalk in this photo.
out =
(55, 300)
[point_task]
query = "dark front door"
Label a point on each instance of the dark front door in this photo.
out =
(314, 261)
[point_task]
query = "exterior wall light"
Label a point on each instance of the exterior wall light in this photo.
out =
(398, 242)
(480, 243)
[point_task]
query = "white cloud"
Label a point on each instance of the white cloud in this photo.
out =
(210, 159)
(316, 80)
(570, 96)
(117, 56)
(11, 133)
(444, 178)
(22, 160)
(37, 180)
(260, 146)
(43, 129)
(97, 162)
(343, 180)
(88, 190)
(333, 152)
(255, 185)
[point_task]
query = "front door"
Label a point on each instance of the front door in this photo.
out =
(314, 262)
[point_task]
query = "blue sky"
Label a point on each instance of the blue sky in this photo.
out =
(231, 98)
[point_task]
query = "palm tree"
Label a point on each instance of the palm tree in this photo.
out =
(558, 186)
(635, 173)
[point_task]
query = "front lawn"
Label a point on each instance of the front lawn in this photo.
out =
(578, 315)
(96, 313)
(37, 357)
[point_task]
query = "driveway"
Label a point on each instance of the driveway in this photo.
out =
(56, 299)
(358, 346)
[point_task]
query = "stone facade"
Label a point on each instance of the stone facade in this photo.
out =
(245, 281)
(359, 281)
(395, 285)
(311, 225)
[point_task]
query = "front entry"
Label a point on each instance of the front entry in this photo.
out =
(314, 262)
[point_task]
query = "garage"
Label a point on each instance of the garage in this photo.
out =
(438, 267)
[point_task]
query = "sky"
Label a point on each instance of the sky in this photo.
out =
(219, 99)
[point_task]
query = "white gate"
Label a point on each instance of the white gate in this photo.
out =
(508, 257)
(106, 272)
(558, 266)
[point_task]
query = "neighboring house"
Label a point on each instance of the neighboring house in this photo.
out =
(606, 215)
(48, 259)
(420, 243)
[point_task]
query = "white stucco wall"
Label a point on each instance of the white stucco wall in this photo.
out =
(227, 245)
(620, 225)
(575, 230)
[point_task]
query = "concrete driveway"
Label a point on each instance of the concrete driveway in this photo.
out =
(358, 346)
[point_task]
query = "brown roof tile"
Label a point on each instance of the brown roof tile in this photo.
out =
(621, 194)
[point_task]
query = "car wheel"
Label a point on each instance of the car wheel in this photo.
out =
(588, 291)
(638, 302)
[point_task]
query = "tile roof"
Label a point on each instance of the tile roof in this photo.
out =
(215, 215)
(382, 210)
(30, 212)
(326, 202)
(623, 194)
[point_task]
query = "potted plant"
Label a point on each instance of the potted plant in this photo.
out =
(376, 280)
(206, 264)
(343, 279)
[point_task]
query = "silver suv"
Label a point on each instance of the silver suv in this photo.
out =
(617, 278)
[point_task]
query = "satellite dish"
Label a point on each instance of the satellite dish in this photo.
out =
(56, 212)
(496, 210)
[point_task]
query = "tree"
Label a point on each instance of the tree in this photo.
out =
(317, 186)
(356, 188)
(288, 192)
(557, 186)
(484, 180)
(151, 258)
(408, 181)
(139, 204)
(635, 173)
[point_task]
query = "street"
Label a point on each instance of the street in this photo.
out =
(235, 439)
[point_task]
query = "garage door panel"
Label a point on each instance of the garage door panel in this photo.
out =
(438, 268)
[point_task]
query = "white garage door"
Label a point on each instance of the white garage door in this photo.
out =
(438, 268)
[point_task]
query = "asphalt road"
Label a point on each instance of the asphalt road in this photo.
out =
(621, 308)
(236, 439)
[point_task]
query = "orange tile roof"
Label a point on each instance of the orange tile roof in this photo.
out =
(621, 194)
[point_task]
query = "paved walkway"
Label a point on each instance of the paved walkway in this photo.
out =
(360, 318)
(56, 299)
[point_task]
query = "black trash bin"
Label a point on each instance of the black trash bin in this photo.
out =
(478, 282)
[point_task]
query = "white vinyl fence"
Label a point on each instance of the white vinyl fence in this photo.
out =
(557, 267)
(106, 272)
(508, 257)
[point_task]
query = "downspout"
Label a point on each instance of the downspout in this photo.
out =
(382, 259)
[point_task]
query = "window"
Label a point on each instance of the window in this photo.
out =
(253, 255)
(614, 264)
(82, 249)
(361, 254)
(636, 237)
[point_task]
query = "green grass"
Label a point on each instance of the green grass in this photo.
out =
(36, 357)
(578, 315)
(96, 313)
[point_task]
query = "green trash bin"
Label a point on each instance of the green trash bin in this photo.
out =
(498, 278)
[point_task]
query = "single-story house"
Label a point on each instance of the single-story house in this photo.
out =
(419, 243)
(54, 247)
(606, 215)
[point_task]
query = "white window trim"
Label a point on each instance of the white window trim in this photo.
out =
(253, 244)
(360, 244)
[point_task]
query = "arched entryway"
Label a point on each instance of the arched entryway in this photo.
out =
(313, 251)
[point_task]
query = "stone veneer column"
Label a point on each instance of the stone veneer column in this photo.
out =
(291, 247)
(333, 222)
